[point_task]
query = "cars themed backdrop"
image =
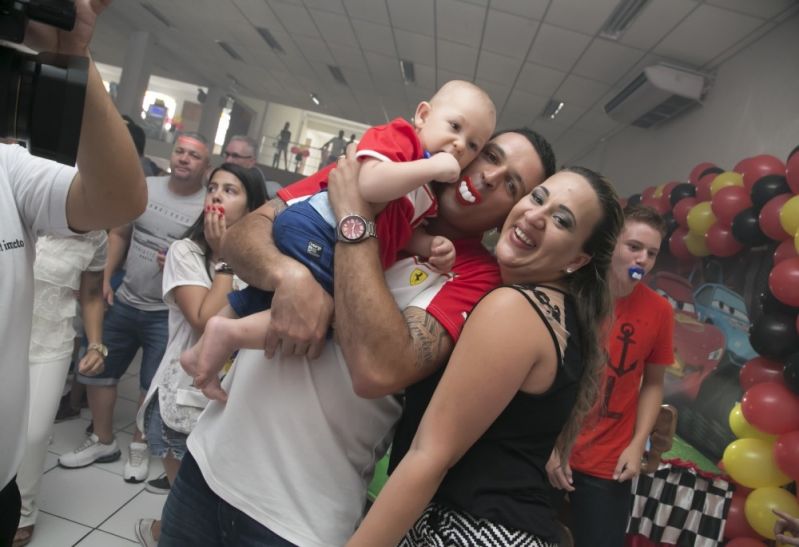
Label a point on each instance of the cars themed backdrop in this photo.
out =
(730, 269)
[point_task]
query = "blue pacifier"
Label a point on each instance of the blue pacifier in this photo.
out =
(427, 154)
(636, 272)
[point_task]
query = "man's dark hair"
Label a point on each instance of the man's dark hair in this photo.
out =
(646, 215)
(137, 134)
(541, 146)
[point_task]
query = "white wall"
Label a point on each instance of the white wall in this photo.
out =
(753, 108)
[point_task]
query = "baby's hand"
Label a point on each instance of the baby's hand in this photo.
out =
(446, 167)
(442, 255)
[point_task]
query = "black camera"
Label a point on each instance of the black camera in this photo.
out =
(41, 96)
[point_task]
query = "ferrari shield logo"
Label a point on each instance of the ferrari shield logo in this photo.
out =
(417, 276)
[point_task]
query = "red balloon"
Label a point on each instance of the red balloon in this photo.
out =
(693, 178)
(703, 187)
(760, 166)
(769, 218)
(737, 525)
(682, 209)
(759, 370)
(784, 282)
(792, 172)
(677, 243)
(786, 454)
(745, 542)
(647, 193)
(720, 241)
(728, 202)
(665, 198)
(771, 408)
(740, 167)
(657, 204)
(784, 251)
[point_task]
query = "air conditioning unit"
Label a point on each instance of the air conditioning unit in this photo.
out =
(660, 92)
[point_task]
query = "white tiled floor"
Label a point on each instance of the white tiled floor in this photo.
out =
(93, 506)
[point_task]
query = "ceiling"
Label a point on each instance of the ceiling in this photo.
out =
(523, 52)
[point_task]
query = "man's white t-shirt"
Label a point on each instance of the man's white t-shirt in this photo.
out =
(33, 194)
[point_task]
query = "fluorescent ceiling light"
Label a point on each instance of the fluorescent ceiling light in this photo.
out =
(407, 70)
(270, 40)
(337, 74)
(552, 109)
(229, 50)
(315, 99)
(621, 18)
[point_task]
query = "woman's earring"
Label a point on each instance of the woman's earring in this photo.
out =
(569, 270)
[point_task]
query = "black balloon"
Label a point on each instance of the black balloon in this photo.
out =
(791, 372)
(768, 187)
(770, 305)
(774, 336)
(634, 199)
(710, 171)
(746, 228)
(682, 190)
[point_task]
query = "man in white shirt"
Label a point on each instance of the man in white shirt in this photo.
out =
(39, 196)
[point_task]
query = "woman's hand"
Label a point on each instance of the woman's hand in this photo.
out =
(560, 476)
(215, 228)
(629, 464)
(786, 523)
(342, 186)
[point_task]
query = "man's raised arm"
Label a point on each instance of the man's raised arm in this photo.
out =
(301, 308)
(385, 349)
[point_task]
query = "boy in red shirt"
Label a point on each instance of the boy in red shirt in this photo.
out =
(609, 449)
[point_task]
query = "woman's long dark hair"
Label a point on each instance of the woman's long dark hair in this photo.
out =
(593, 304)
(253, 185)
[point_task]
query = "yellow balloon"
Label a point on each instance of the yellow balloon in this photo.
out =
(745, 430)
(789, 215)
(701, 218)
(696, 244)
(759, 505)
(796, 241)
(750, 462)
(727, 178)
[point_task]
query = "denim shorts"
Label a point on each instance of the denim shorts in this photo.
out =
(162, 439)
(125, 330)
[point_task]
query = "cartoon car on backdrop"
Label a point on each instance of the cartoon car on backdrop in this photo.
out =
(720, 306)
(698, 346)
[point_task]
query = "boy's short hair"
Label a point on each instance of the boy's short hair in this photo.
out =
(646, 215)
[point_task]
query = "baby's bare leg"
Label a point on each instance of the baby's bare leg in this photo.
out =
(223, 336)
(190, 358)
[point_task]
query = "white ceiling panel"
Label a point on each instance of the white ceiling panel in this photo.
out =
(606, 61)
(425, 76)
(532, 9)
(385, 70)
(498, 68)
(577, 90)
(443, 76)
(596, 122)
(539, 80)
(459, 22)
(294, 19)
(416, 94)
(508, 35)
(657, 19)
(314, 49)
(457, 57)
(368, 10)
(374, 37)
(347, 56)
(334, 28)
(572, 146)
(551, 130)
(415, 47)
(522, 108)
(326, 5)
(761, 8)
(413, 15)
(706, 33)
(557, 48)
(579, 15)
(499, 93)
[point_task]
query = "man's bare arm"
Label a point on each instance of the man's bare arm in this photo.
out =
(301, 308)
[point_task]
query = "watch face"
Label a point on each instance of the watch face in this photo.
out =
(353, 228)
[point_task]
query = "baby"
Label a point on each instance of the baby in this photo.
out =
(398, 160)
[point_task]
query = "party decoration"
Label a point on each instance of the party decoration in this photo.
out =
(701, 218)
(634, 199)
(743, 429)
(703, 185)
(786, 454)
(769, 218)
(757, 167)
(789, 215)
(696, 244)
(792, 170)
(681, 191)
(784, 282)
(737, 526)
(790, 372)
(785, 250)
(750, 462)
(725, 179)
(768, 188)
(677, 245)
(700, 170)
(760, 505)
(774, 336)
(746, 228)
(759, 370)
(771, 407)
(772, 306)
(728, 202)
(720, 241)
(682, 209)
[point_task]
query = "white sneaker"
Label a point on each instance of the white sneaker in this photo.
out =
(138, 465)
(91, 451)
(144, 532)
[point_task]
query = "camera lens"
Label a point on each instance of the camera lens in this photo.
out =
(41, 101)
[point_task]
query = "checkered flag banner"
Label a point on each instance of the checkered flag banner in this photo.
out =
(677, 506)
